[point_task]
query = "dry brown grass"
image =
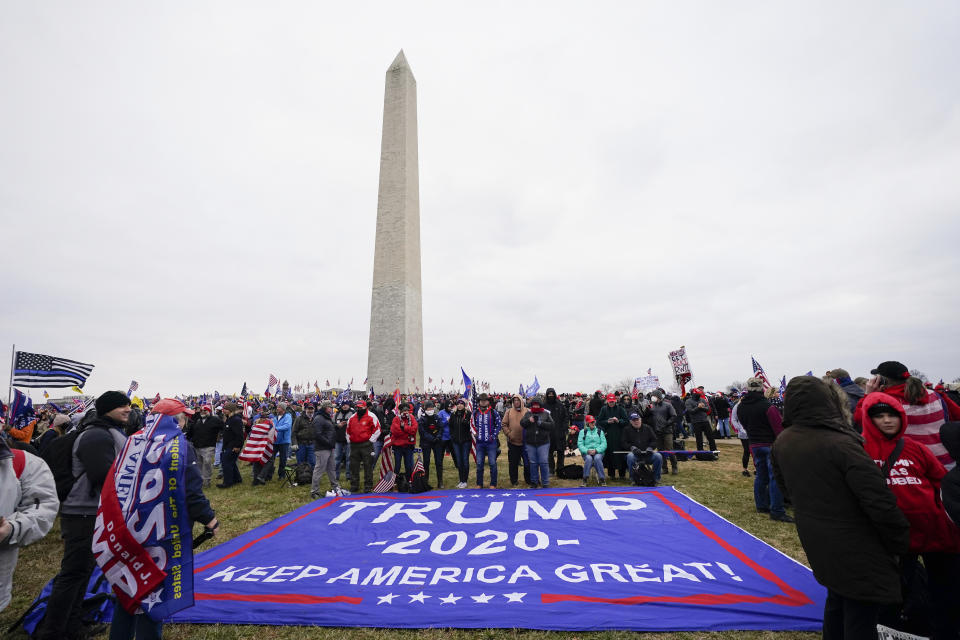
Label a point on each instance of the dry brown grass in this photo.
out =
(717, 485)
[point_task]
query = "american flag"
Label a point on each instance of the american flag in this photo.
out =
(470, 395)
(133, 387)
(758, 373)
(418, 467)
(272, 381)
(81, 407)
(38, 370)
(783, 386)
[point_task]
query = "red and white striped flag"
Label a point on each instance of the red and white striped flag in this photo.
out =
(259, 445)
(386, 460)
(272, 381)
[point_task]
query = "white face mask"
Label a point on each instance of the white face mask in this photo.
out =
(430, 412)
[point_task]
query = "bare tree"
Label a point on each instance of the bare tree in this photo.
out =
(606, 387)
(625, 385)
(737, 384)
(916, 373)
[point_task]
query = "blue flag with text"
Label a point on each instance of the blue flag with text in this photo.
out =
(643, 559)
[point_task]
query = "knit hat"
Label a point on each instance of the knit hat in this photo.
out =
(881, 407)
(60, 419)
(754, 384)
(109, 401)
(892, 369)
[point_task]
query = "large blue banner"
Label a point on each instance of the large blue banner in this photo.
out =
(565, 559)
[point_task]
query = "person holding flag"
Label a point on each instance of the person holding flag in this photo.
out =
(461, 439)
(156, 479)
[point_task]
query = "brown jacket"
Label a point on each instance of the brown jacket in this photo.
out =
(511, 423)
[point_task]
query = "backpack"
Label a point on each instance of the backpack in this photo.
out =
(707, 457)
(642, 475)
(570, 472)
(59, 457)
(418, 483)
(304, 473)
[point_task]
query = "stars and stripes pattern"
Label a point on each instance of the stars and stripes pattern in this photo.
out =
(37, 370)
(759, 373)
(133, 387)
(272, 381)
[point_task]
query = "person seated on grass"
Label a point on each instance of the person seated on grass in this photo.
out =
(914, 475)
(640, 440)
(847, 518)
(592, 444)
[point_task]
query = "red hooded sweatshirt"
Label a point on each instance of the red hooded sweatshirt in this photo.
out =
(914, 479)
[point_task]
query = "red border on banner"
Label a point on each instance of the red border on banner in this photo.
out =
(791, 597)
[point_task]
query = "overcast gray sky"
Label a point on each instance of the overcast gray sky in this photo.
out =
(189, 188)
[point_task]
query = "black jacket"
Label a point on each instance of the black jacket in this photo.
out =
(847, 518)
(324, 431)
(561, 419)
(203, 432)
(431, 429)
(661, 417)
(696, 415)
(460, 426)
(537, 428)
(753, 415)
(233, 432)
(642, 438)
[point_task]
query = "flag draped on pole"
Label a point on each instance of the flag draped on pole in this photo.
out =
(783, 386)
(21, 408)
(470, 395)
(243, 392)
(533, 388)
(38, 370)
(759, 373)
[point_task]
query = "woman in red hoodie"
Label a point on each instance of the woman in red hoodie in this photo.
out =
(914, 474)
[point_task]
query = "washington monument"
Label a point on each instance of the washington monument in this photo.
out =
(396, 309)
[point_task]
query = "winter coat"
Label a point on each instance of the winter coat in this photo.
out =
(760, 418)
(914, 479)
(696, 415)
(303, 428)
(662, 416)
(431, 429)
(591, 438)
(596, 404)
(403, 431)
(721, 407)
(203, 432)
(233, 432)
(324, 431)
(561, 419)
(612, 430)
(459, 425)
(283, 424)
(923, 420)
(29, 503)
(340, 420)
(853, 391)
(94, 451)
(853, 536)
(537, 428)
(511, 423)
(642, 438)
(950, 487)
(364, 428)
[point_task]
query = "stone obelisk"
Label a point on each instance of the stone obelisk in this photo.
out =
(396, 309)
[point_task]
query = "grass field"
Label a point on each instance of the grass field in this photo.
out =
(719, 486)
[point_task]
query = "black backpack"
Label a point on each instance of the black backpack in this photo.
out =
(304, 473)
(59, 457)
(570, 472)
(642, 475)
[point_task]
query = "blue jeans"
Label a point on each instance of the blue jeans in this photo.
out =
(461, 458)
(766, 493)
(406, 455)
(377, 448)
(487, 451)
(216, 454)
(590, 462)
(305, 454)
(539, 464)
(341, 454)
(125, 625)
(655, 459)
(723, 427)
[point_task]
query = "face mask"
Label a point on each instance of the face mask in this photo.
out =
(360, 412)
(430, 412)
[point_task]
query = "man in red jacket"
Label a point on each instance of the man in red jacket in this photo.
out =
(362, 431)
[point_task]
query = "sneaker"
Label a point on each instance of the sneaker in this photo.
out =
(258, 481)
(603, 483)
(746, 473)
(461, 485)
(782, 518)
(583, 483)
(493, 486)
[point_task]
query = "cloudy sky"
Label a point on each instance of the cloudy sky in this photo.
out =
(189, 188)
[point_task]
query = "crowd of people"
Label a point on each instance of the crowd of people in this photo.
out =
(868, 468)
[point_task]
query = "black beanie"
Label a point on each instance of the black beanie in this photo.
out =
(881, 407)
(109, 401)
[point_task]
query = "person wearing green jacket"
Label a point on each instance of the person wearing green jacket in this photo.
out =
(592, 444)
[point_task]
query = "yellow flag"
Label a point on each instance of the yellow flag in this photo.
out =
(137, 402)
(77, 389)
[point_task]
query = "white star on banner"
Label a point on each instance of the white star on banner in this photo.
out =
(491, 495)
(450, 599)
(419, 597)
(482, 598)
(476, 495)
(460, 495)
(387, 598)
(151, 600)
(520, 495)
(514, 597)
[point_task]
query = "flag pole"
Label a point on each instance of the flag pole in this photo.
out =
(13, 351)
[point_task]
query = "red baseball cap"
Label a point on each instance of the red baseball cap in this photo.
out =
(171, 407)
(206, 407)
(590, 418)
(360, 404)
(612, 397)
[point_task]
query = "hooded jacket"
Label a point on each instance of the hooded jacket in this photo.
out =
(591, 438)
(760, 418)
(94, 451)
(914, 479)
(561, 420)
(510, 425)
(324, 431)
(847, 517)
(923, 420)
